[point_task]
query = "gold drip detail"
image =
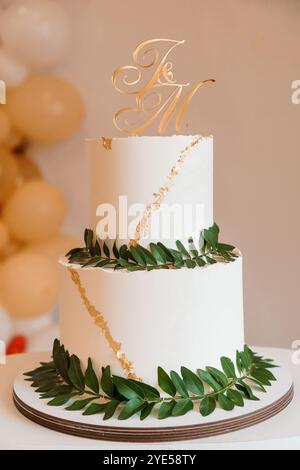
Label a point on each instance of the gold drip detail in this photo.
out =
(143, 226)
(107, 143)
(126, 364)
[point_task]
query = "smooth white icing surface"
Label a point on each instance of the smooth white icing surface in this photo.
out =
(137, 167)
(170, 318)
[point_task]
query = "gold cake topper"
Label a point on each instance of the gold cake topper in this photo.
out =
(149, 80)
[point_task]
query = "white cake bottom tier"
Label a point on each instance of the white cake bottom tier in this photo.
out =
(167, 318)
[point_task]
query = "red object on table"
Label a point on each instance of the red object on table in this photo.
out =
(17, 345)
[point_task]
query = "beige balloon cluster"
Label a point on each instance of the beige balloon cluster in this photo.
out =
(32, 214)
(39, 108)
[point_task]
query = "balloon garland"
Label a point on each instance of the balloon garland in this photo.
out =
(40, 108)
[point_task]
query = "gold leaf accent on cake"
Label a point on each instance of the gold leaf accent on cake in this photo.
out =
(143, 226)
(126, 364)
(107, 143)
(151, 81)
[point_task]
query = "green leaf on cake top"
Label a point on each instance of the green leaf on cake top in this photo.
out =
(64, 382)
(136, 257)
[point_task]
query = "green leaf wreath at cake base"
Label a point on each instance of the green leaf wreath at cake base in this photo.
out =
(63, 381)
(135, 257)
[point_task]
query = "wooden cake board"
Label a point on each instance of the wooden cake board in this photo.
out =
(190, 426)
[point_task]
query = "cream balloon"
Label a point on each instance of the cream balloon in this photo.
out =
(12, 71)
(37, 32)
(8, 173)
(28, 284)
(35, 211)
(45, 109)
(4, 236)
(5, 126)
(56, 246)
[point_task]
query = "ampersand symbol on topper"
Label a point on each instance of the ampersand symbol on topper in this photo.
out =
(148, 80)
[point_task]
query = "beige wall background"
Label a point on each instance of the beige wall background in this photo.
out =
(252, 49)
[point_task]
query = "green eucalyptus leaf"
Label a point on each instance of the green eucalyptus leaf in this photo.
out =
(57, 390)
(75, 373)
(228, 367)
(177, 256)
(106, 382)
(209, 379)
(106, 249)
(61, 361)
(165, 382)
(138, 255)
(165, 409)
(265, 365)
(192, 381)
(126, 388)
(225, 403)
(225, 247)
(218, 376)
(257, 383)
(125, 264)
(211, 235)
(210, 260)
(73, 252)
(182, 407)
(200, 262)
(110, 409)
(236, 397)
(123, 252)
(92, 261)
(146, 410)
(207, 405)
(79, 404)
(179, 384)
(88, 238)
(245, 360)
(190, 263)
(158, 253)
(115, 250)
(238, 362)
(243, 387)
(150, 393)
(132, 268)
(90, 378)
(192, 248)
(55, 350)
(147, 255)
(167, 251)
(97, 249)
(95, 408)
(182, 249)
(262, 376)
(132, 407)
(61, 399)
(102, 263)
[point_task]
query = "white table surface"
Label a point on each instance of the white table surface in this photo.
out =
(17, 432)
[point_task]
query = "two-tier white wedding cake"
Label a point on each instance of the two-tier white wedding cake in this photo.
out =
(151, 306)
(135, 320)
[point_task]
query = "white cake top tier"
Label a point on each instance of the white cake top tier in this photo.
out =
(165, 183)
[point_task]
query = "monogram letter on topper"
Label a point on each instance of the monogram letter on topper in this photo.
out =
(157, 93)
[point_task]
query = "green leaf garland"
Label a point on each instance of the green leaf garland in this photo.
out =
(63, 383)
(96, 253)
